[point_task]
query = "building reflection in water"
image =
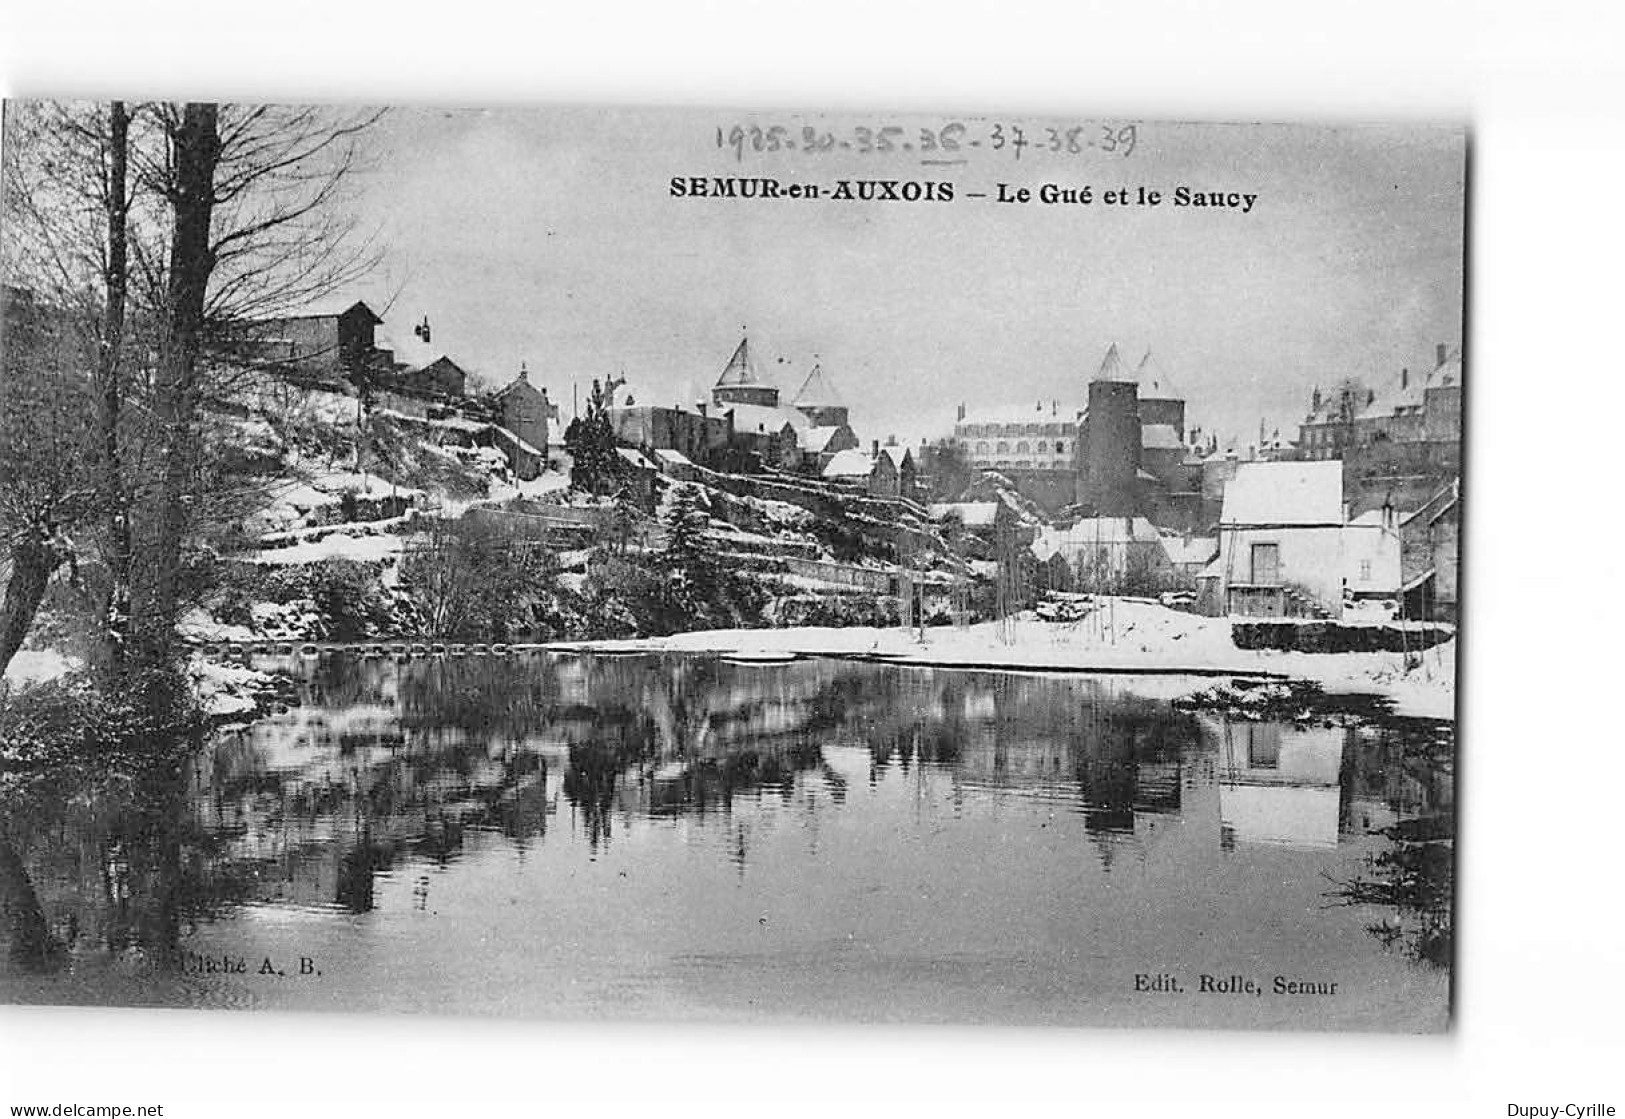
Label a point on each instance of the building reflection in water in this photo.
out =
(417, 763)
(1279, 783)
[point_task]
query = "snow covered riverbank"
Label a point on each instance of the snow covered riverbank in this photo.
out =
(1134, 637)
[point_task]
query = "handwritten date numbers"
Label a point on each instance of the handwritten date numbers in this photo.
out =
(948, 141)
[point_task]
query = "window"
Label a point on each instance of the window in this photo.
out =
(1060, 447)
(1365, 569)
(1004, 448)
(981, 447)
(1266, 564)
(1022, 448)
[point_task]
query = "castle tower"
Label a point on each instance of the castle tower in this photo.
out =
(1109, 444)
(818, 400)
(739, 383)
(1159, 403)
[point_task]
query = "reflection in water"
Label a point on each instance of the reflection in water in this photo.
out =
(469, 791)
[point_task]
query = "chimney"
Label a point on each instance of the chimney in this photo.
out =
(1404, 378)
(960, 418)
(875, 448)
(1440, 352)
(1055, 407)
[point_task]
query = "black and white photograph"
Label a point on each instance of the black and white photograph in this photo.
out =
(721, 566)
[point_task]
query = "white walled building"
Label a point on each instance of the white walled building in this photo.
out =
(1041, 436)
(1286, 549)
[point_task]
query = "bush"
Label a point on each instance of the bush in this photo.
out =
(69, 723)
(835, 610)
(347, 594)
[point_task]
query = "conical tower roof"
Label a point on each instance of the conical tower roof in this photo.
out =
(739, 370)
(1111, 368)
(817, 392)
(1154, 383)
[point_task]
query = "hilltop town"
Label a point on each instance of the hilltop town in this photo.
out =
(374, 464)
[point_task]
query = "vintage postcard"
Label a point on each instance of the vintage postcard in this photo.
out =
(730, 566)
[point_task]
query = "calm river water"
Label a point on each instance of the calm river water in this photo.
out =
(685, 838)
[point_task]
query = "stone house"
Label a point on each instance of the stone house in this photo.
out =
(524, 409)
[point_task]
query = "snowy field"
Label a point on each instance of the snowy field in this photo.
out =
(1132, 637)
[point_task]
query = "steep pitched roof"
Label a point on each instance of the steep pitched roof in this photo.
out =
(817, 438)
(1410, 396)
(817, 392)
(1111, 367)
(331, 307)
(898, 454)
(1154, 383)
(1285, 493)
(522, 379)
(740, 370)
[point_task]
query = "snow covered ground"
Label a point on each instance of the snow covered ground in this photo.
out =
(1128, 636)
(335, 545)
(36, 666)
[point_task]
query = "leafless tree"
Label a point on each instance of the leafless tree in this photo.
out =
(166, 231)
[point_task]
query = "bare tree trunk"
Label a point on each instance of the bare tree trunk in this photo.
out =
(196, 151)
(32, 944)
(109, 358)
(33, 559)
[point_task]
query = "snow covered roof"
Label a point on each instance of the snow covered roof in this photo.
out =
(740, 370)
(851, 463)
(331, 307)
(407, 347)
(636, 458)
(1111, 367)
(817, 438)
(522, 379)
(897, 453)
(1409, 396)
(1189, 550)
(761, 418)
(1285, 493)
(972, 514)
(1161, 437)
(1092, 532)
(677, 458)
(1039, 413)
(817, 392)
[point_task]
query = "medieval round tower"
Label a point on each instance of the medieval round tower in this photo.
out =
(1109, 444)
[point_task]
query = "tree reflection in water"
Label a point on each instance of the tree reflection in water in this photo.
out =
(387, 764)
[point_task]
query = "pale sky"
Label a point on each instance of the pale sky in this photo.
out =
(550, 236)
